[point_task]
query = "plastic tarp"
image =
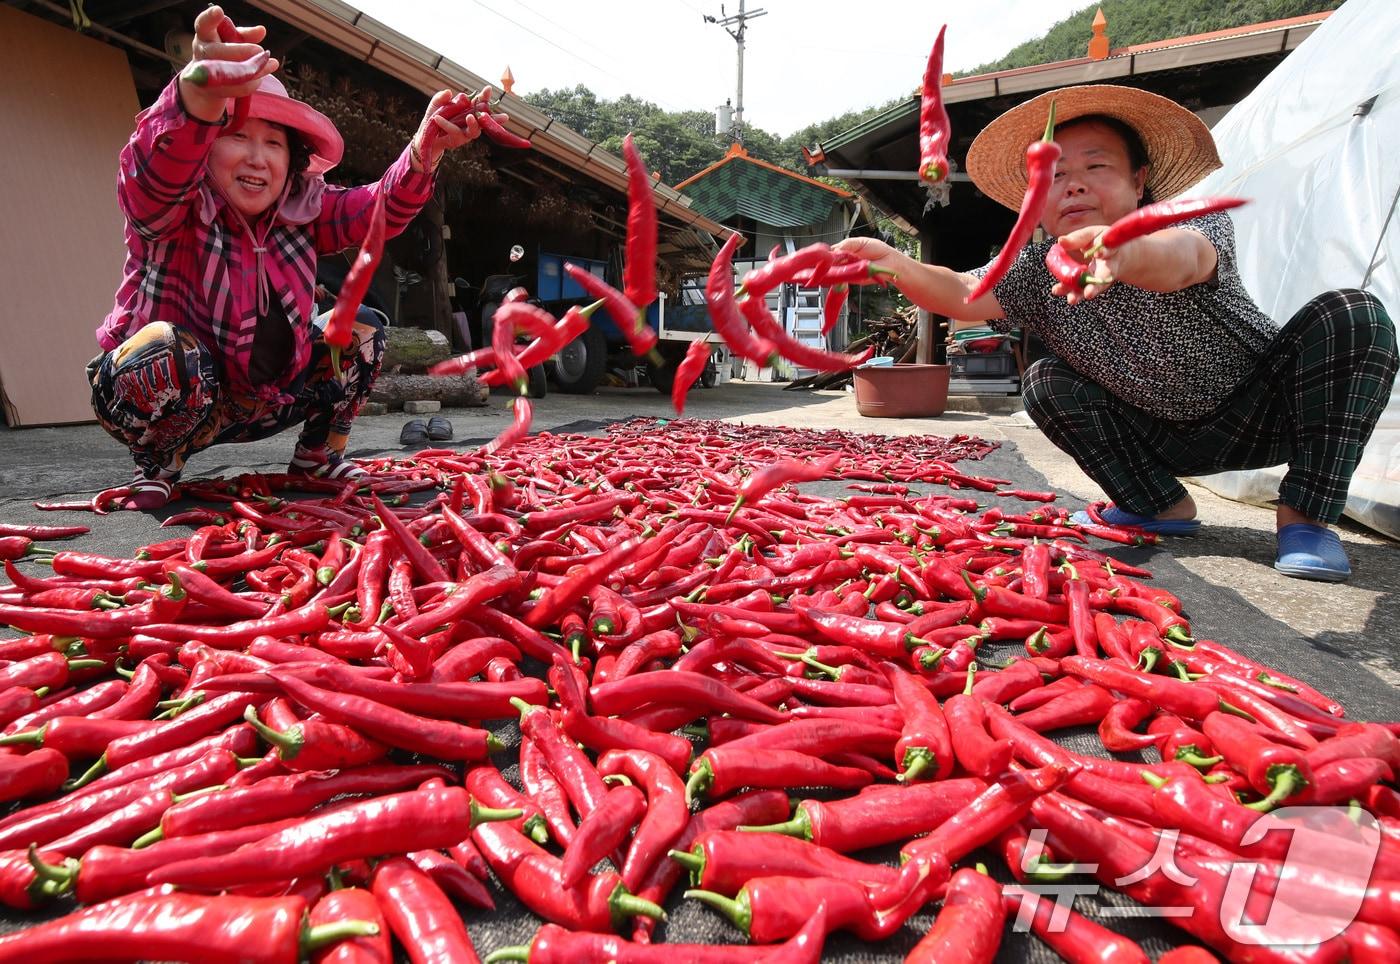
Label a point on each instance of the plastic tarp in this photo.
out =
(1316, 146)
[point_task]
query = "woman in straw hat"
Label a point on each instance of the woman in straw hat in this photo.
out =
(1168, 368)
(213, 337)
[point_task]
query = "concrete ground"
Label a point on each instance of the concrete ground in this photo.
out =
(1236, 549)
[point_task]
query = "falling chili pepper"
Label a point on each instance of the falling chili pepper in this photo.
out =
(1155, 217)
(697, 356)
(724, 309)
(934, 129)
(639, 268)
(1041, 156)
(631, 320)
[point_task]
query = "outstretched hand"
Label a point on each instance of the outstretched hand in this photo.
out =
(1104, 264)
(207, 102)
(449, 122)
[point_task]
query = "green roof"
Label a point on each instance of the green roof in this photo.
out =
(768, 196)
(894, 114)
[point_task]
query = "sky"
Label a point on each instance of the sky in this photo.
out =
(805, 60)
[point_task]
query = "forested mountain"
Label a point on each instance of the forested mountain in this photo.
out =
(1144, 21)
(679, 144)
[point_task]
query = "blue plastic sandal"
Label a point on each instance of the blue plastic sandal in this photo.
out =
(1306, 551)
(1118, 517)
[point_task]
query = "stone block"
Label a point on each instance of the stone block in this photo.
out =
(421, 407)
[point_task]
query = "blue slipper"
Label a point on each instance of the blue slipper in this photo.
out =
(1118, 517)
(1306, 551)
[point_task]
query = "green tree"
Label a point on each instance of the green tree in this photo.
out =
(1145, 21)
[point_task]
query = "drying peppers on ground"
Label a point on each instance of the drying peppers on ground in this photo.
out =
(324, 716)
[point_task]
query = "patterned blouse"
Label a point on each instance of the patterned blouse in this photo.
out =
(1176, 356)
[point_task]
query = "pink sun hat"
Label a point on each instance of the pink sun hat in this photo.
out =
(272, 103)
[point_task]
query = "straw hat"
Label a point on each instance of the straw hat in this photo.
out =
(272, 103)
(1180, 150)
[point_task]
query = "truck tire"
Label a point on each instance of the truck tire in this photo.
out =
(538, 382)
(663, 376)
(581, 364)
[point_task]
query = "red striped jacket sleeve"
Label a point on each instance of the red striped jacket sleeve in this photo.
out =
(345, 212)
(161, 166)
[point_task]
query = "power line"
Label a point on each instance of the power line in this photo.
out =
(671, 108)
(537, 34)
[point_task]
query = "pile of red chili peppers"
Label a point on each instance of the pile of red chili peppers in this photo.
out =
(277, 730)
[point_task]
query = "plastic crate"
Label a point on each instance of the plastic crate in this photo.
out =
(993, 365)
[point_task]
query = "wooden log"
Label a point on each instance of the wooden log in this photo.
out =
(412, 351)
(453, 391)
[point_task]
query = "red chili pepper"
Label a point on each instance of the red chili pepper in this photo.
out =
(631, 320)
(976, 751)
(721, 770)
(487, 784)
(925, 743)
(76, 737)
(534, 877)
(639, 268)
(317, 745)
(610, 733)
(724, 860)
(755, 311)
(1070, 934)
(934, 129)
(1154, 217)
(678, 688)
(1041, 156)
(1188, 700)
(421, 917)
(691, 367)
(666, 812)
(176, 926)
(394, 824)
(968, 927)
(524, 413)
(42, 533)
(1069, 271)
(225, 73)
(724, 309)
(569, 765)
(33, 774)
(771, 909)
(340, 327)
(778, 474)
(557, 945)
(352, 903)
(1080, 706)
(600, 832)
(996, 808)
(439, 738)
(41, 827)
(1275, 770)
(755, 807)
(546, 791)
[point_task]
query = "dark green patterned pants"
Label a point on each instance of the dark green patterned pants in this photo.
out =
(1312, 403)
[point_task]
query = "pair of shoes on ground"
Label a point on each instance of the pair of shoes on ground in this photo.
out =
(419, 433)
(1305, 551)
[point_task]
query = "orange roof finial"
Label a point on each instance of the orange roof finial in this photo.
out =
(507, 80)
(1098, 43)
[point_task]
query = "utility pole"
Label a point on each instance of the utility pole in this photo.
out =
(735, 25)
